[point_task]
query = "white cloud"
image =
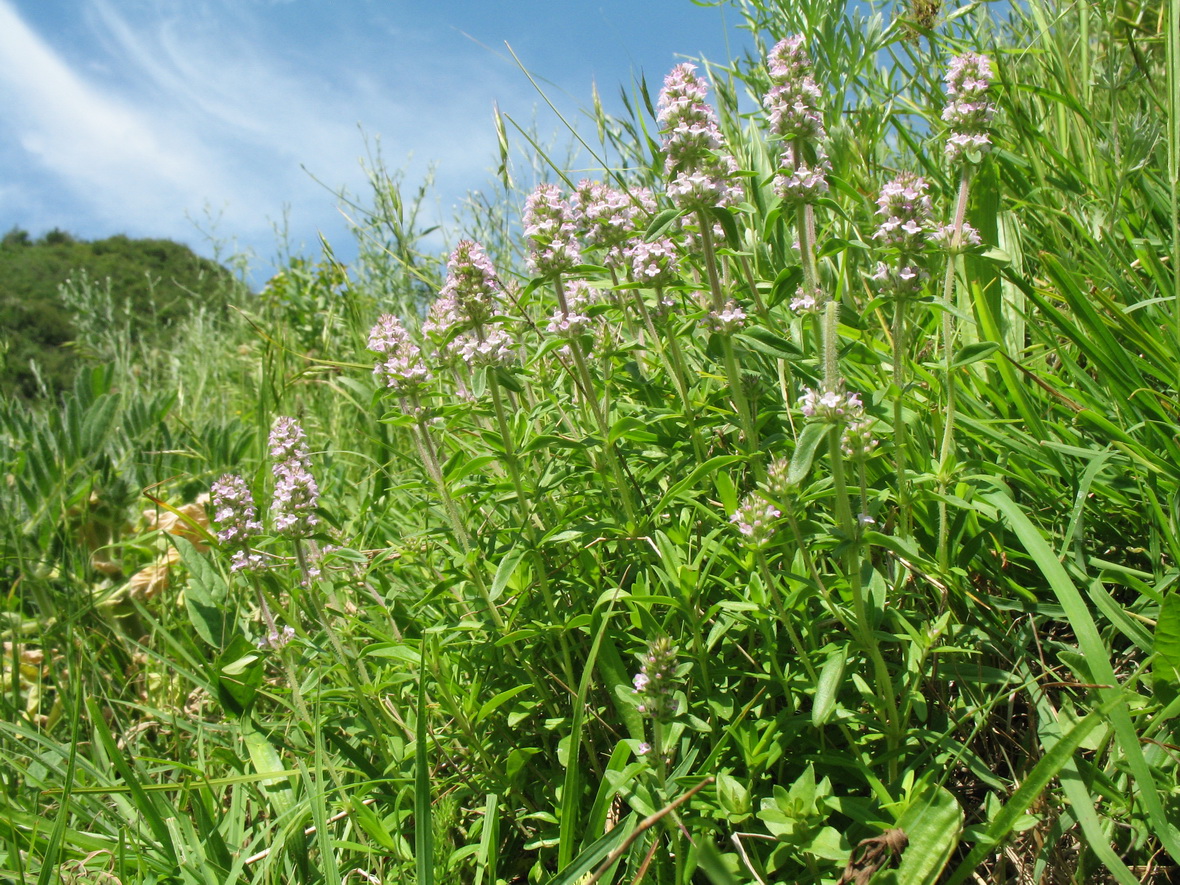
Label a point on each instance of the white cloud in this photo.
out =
(167, 109)
(105, 149)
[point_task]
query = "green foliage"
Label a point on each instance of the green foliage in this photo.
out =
(153, 284)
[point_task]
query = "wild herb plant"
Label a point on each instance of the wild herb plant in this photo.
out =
(792, 501)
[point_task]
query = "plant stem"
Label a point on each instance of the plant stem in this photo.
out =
(948, 331)
(590, 397)
(732, 367)
(868, 638)
(905, 516)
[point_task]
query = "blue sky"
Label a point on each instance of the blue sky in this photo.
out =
(175, 118)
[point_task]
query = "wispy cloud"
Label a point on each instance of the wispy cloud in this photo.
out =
(177, 108)
(106, 150)
(135, 115)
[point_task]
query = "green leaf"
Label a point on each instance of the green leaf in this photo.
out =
(661, 223)
(205, 597)
(500, 699)
(809, 440)
(933, 821)
(571, 785)
(595, 854)
(239, 674)
(1167, 631)
(973, 353)
(1030, 789)
(765, 341)
(831, 677)
(146, 804)
(505, 570)
(423, 820)
(1091, 645)
(266, 761)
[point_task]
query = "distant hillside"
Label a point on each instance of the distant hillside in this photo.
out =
(161, 281)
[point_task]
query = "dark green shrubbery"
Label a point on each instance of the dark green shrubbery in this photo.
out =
(154, 283)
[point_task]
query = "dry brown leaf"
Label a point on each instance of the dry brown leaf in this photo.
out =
(872, 854)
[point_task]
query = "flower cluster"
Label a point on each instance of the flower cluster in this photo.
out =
(401, 366)
(797, 183)
(906, 213)
(655, 683)
(857, 439)
(947, 239)
(464, 315)
(905, 208)
(607, 218)
(969, 110)
(656, 263)
(755, 520)
(485, 346)
(234, 511)
(701, 173)
(779, 483)
(727, 321)
(793, 100)
(296, 493)
(551, 231)
(471, 294)
(831, 407)
(792, 105)
(570, 319)
(805, 301)
(276, 639)
(567, 324)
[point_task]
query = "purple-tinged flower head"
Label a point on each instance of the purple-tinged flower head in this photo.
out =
(654, 264)
(296, 494)
(706, 188)
(464, 316)
(401, 366)
(701, 174)
(655, 683)
(568, 324)
(901, 280)
(246, 560)
(580, 295)
(969, 109)
(857, 439)
(276, 638)
(952, 241)
(793, 100)
(831, 407)
(726, 321)
(779, 482)
(234, 510)
(287, 440)
(907, 215)
(551, 231)
(607, 218)
(472, 294)
(755, 519)
(689, 126)
(799, 183)
(486, 346)
(805, 301)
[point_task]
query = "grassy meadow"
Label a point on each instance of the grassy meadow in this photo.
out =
(788, 493)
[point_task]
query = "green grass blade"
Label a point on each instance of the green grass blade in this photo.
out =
(423, 822)
(1030, 789)
(572, 783)
(1094, 649)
